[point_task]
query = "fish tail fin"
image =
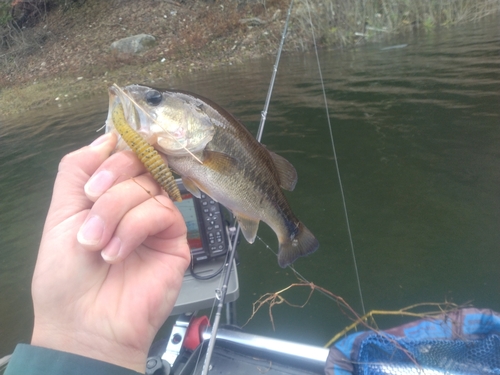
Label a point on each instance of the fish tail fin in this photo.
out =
(302, 244)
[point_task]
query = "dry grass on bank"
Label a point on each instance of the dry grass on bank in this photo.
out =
(343, 23)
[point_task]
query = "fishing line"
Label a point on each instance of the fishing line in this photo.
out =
(218, 300)
(220, 296)
(335, 158)
(301, 277)
(229, 264)
(263, 117)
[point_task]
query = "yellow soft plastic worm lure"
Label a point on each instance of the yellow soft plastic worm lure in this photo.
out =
(146, 153)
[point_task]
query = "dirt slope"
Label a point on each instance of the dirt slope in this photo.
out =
(71, 46)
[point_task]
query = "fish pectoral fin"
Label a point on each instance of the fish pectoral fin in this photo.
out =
(191, 186)
(286, 171)
(248, 227)
(220, 162)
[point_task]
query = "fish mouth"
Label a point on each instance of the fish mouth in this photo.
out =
(117, 95)
(114, 100)
(145, 122)
(136, 116)
(173, 127)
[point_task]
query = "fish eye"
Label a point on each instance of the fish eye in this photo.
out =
(153, 97)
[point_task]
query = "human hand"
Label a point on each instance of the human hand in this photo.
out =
(111, 259)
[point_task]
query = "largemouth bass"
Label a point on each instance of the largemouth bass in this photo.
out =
(215, 154)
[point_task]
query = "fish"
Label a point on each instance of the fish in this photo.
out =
(214, 153)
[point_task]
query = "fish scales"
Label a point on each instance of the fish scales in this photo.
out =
(256, 166)
(215, 154)
(253, 186)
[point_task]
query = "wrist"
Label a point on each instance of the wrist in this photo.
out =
(91, 346)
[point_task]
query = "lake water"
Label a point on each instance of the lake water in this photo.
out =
(417, 134)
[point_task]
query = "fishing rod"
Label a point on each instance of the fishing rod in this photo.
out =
(273, 78)
(221, 295)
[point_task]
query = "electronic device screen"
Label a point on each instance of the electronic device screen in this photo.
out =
(188, 211)
(206, 233)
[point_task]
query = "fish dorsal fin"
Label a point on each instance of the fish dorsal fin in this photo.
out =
(220, 162)
(286, 171)
(191, 187)
(248, 226)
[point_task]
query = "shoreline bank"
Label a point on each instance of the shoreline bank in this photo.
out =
(66, 56)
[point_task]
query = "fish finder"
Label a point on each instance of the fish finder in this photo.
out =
(206, 230)
(207, 225)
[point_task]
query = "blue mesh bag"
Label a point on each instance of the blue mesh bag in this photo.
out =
(465, 341)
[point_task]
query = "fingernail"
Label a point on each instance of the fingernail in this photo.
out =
(91, 231)
(103, 138)
(112, 250)
(99, 183)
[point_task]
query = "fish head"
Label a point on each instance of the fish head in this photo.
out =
(173, 122)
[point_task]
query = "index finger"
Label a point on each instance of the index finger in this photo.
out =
(73, 172)
(117, 168)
